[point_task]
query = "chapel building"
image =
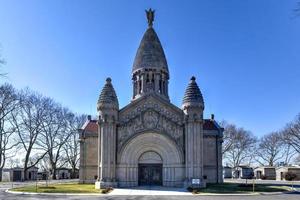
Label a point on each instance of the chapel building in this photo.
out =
(150, 141)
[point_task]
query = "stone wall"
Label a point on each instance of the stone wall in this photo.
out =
(212, 166)
(88, 158)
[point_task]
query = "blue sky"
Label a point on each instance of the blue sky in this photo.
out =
(244, 54)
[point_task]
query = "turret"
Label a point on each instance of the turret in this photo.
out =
(193, 106)
(107, 107)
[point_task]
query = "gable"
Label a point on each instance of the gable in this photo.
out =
(150, 113)
(151, 101)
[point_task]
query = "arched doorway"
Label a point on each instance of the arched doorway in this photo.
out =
(152, 148)
(150, 169)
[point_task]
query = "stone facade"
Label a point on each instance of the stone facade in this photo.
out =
(150, 141)
(281, 172)
(265, 172)
(88, 152)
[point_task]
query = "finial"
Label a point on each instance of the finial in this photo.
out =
(193, 78)
(150, 16)
(108, 80)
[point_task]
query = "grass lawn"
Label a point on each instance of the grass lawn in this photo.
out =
(61, 188)
(240, 188)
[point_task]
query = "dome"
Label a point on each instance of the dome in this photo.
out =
(108, 96)
(192, 95)
(150, 53)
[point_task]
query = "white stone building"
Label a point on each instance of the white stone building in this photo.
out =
(265, 172)
(281, 172)
(150, 140)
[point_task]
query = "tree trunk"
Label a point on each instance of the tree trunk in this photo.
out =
(1, 170)
(73, 172)
(25, 174)
(54, 173)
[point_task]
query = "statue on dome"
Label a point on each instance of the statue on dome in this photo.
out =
(150, 16)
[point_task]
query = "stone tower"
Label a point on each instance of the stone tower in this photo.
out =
(193, 106)
(150, 73)
(108, 108)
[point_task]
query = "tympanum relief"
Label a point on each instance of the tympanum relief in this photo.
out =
(150, 119)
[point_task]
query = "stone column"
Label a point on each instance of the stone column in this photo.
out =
(167, 88)
(220, 164)
(99, 150)
(143, 80)
(138, 85)
(156, 82)
(108, 109)
(193, 149)
(163, 83)
(193, 107)
(107, 152)
(133, 88)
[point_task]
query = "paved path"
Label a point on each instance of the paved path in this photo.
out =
(150, 190)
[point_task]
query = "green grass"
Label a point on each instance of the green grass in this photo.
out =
(239, 188)
(61, 188)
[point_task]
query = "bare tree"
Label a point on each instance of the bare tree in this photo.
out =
(55, 133)
(28, 125)
(13, 162)
(291, 134)
(72, 146)
(270, 149)
(227, 135)
(8, 103)
(241, 145)
(289, 154)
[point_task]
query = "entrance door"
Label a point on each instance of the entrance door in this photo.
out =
(150, 174)
(17, 175)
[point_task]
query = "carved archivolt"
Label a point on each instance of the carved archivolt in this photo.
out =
(150, 146)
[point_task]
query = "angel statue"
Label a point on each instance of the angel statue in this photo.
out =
(150, 16)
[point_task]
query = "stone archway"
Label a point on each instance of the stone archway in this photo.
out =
(150, 147)
(150, 157)
(150, 169)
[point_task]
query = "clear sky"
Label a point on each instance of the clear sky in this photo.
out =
(244, 54)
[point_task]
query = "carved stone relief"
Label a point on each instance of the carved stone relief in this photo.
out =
(150, 117)
(150, 157)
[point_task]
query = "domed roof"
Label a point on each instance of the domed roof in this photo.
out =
(193, 94)
(150, 53)
(108, 95)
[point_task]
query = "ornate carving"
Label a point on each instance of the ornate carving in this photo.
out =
(150, 157)
(150, 115)
(150, 120)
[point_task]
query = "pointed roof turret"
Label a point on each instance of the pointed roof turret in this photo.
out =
(150, 53)
(193, 95)
(108, 97)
